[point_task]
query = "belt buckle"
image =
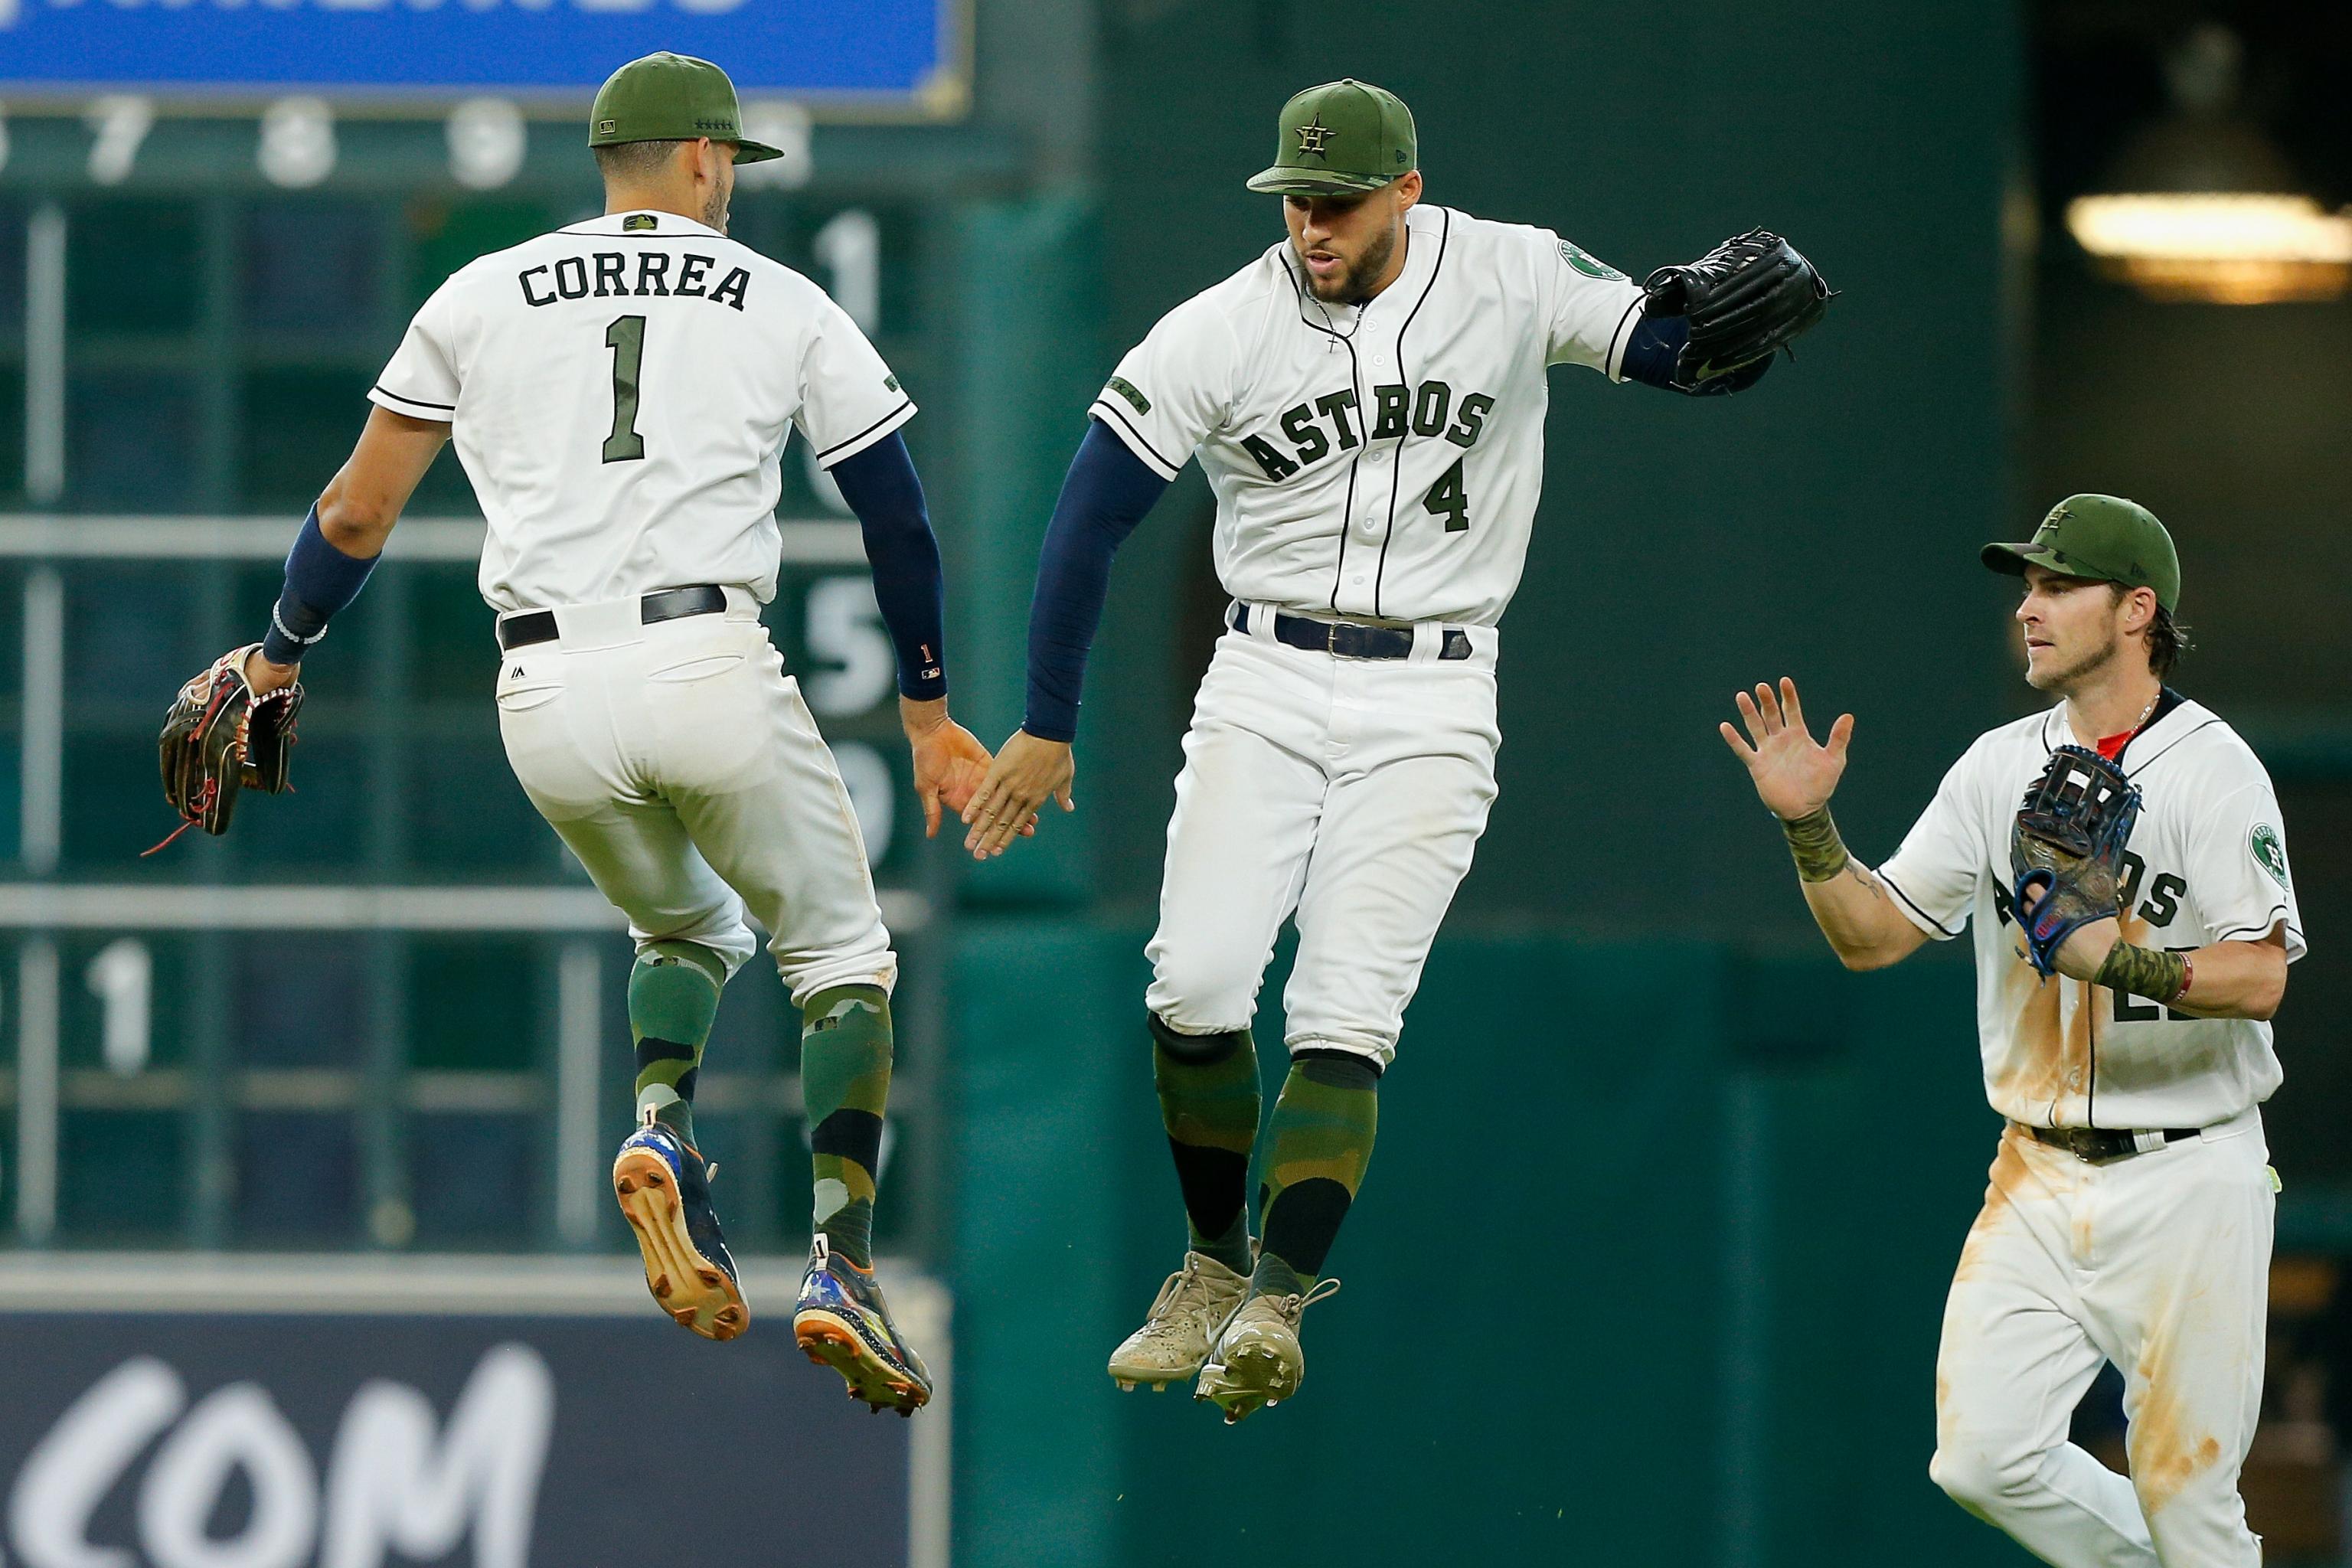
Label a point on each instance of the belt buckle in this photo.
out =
(2097, 1145)
(1331, 639)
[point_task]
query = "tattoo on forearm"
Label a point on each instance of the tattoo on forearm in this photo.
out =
(2144, 972)
(1815, 844)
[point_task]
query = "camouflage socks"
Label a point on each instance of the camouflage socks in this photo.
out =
(1209, 1104)
(1317, 1145)
(673, 996)
(844, 1089)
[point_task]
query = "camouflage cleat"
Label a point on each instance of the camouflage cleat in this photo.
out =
(1257, 1359)
(663, 1188)
(1183, 1324)
(842, 1322)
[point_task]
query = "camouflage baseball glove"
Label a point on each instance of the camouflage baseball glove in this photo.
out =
(1744, 300)
(219, 738)
(2066, 849)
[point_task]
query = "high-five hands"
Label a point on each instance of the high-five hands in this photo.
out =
(949, 760)
(1025, 773)
(1793, 776)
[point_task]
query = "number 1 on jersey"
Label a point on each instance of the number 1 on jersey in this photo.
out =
(626, 338)
(1448, 499)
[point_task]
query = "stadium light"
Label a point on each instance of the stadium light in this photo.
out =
(2227, 250)
(2202, 205)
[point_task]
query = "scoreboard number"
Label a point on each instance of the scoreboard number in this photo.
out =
(122, 978)
(119, 123)
(487, 141)
(844, 630)
(297, 142)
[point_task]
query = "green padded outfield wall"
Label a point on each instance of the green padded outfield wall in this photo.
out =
(1645, 1271)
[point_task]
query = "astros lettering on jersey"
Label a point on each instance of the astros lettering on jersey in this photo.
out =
(701, 355)
(2207, 863)
(1380, 461)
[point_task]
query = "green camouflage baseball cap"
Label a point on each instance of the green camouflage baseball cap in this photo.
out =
(2104, 538)
(1343, 138)
(671, 98)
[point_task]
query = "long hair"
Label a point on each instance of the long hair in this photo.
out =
(2167, 640)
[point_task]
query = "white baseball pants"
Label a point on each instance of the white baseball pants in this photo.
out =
(681, 766)
(1351, 792)
(2161, 1264)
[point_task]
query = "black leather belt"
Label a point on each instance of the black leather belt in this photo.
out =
(663, 605)
(1349, 639)
(2100, 1144)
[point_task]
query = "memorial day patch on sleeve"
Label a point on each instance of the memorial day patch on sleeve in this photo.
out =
(2269, 854)
(1125, 389)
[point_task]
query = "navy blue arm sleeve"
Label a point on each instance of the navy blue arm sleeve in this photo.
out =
(320, 583)
(1105, 495)
(881, 486)
(1657, 341)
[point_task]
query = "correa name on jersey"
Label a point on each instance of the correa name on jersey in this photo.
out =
(609, 274)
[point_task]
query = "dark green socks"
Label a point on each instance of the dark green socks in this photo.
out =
(673, 996)
(1209, 1104)
(844, 1090)
(1317, 1145)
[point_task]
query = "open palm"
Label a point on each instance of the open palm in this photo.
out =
(1794, 776)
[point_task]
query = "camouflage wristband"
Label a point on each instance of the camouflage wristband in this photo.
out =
(1815, 844)
(2144, 972)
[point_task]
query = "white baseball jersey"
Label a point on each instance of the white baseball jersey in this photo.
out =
(1377, 461)
(621, 392)
(2207, 863)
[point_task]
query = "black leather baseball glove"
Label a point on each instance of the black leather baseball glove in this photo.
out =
(2066, 849)
(1746, 300)
(218, 738)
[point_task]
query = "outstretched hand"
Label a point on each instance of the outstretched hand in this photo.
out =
(949, 760)
(1025, 773)
(1793, 776)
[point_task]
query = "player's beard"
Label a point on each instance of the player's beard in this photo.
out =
(2065, 679)
(1354, 286)
(714, 210)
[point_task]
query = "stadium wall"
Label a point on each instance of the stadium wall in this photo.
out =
(1649, 1268)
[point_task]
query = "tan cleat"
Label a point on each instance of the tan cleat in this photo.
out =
(1183, 1322)
(1258, 1360)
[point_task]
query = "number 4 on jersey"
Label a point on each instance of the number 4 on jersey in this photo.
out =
(1448, 499)
(626, 338)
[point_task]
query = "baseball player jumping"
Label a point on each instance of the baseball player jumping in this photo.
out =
(620, 391)
(1367, 399)
(2121, 859)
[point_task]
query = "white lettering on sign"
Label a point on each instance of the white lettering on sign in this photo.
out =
(398, 1484)
(234, 1428)
(391, 1489)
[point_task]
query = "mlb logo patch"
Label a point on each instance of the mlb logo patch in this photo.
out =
(636, 223)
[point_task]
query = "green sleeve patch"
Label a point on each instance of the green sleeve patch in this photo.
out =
(1125, 389)
(1588, 266)
(891, 382)
(2270, 852)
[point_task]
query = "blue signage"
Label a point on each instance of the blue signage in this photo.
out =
(907, 51)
